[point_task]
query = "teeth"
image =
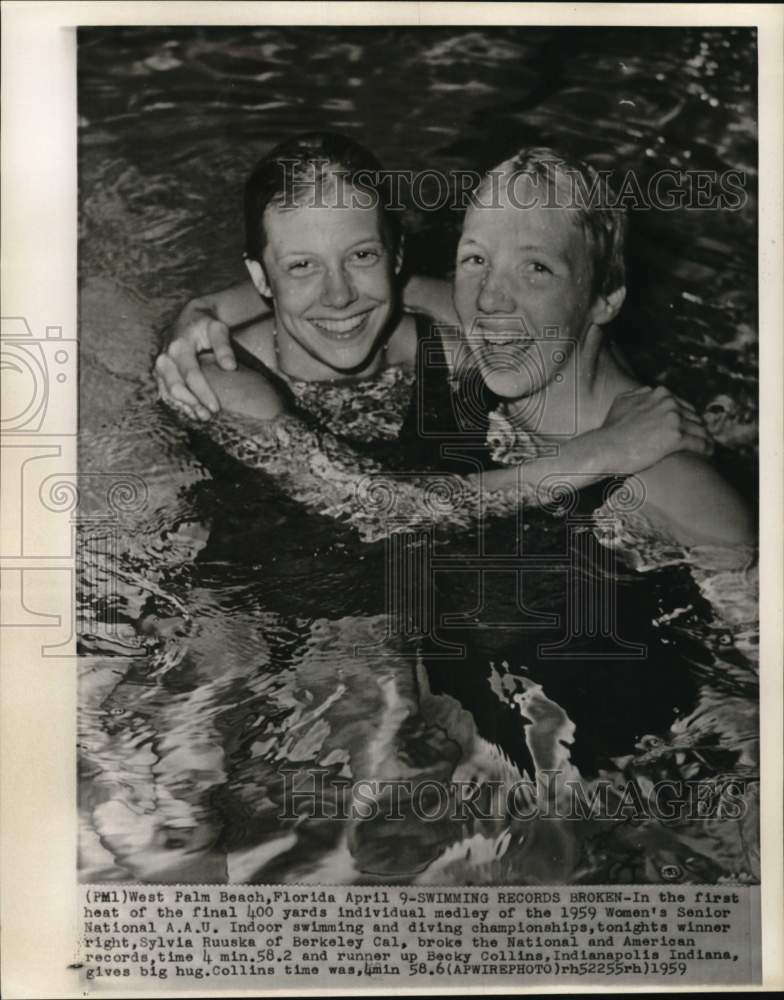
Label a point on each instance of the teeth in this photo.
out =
(501, 338)
(340, 325)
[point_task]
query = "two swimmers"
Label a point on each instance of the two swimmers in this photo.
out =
(338, 343)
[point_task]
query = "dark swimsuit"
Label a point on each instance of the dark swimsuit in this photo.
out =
(416, 411)
(313, 567)
(400, 416)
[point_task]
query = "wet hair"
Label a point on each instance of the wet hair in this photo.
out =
(314, 164)
(573, 183)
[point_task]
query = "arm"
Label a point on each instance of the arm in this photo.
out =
(204, 324)
(643, 427)
(234, 306)
(241, 304)
(329, 476)
(687, 496)
(432, 296)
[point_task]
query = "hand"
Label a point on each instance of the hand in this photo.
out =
(181, 383)
(646, 425)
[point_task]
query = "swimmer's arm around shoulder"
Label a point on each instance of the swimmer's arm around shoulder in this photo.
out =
(234, 306)
(642, 428)
(684, 489)
(580, 462)
(431, 296)
(685, 493)
(204, 323)
(331, 476)
(203, 326)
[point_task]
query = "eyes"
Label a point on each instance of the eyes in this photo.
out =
(366, 257)
(532, 269)
(472, 262)
(301, 267)
(476, 262)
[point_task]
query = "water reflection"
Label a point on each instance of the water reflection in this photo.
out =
(220, 673)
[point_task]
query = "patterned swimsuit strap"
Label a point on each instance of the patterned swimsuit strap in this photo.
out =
(248, 360)
(369, 410)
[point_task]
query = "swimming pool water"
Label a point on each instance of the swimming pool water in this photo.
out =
(219, 625)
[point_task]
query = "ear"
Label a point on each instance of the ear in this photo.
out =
(258, 277)
(607, 307)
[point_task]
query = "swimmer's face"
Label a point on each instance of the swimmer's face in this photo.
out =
(523, 282)
(331, 275)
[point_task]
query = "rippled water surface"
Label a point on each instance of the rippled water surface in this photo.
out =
(219, 624)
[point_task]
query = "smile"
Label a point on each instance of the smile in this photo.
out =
(505, 338)
(341, 327)
(503, 332)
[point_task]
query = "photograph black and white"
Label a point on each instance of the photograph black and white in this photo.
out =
(417, 525)
(402, 603)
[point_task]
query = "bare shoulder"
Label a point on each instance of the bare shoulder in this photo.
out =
(404, 342)
(699, 506)
(258, 340)
(402, 348)
(440, 300)
(432, 296)
(244, 391)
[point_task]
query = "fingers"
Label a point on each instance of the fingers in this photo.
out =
(690, 420)
(641, 390)
(191, 329)
(693, 424)
(685, 431)
(658, 400)
(180, 366)
(663, 394)
(700, 444)
(199, 386)
(167, 375)
(172, 389)
(220, 342)
(684, 403)
(177, 399)
(659, 394)
(669, 402)
(695, 437)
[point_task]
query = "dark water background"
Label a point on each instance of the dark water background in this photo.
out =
(185, 729)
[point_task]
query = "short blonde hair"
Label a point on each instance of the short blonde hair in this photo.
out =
(602, 219)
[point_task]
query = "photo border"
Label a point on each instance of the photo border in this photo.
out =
(38, 711)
